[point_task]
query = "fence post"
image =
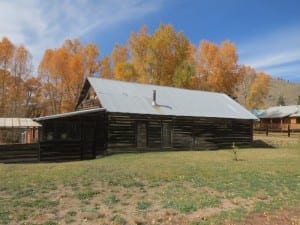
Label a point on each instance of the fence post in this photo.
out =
(289, 130)
(267, 130)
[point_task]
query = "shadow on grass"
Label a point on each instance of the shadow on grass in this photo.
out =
(260, 144)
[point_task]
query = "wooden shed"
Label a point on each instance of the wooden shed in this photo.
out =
(121, 116)
(18, 130)
(19, 140)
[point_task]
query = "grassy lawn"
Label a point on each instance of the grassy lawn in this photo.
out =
(205, 187)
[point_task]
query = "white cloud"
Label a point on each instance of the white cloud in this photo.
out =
(277, 53)
(46, 24)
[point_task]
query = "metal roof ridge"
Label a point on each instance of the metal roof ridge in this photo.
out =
(155, 85)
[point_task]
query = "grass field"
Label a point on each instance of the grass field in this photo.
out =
(205, 187)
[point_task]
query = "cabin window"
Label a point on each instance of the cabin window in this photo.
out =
(297, 120)
(141, 135)
(166, 135)
(48, 132)
(64, 131)
(67, 131)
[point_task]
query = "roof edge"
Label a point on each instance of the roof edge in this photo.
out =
(68, 114)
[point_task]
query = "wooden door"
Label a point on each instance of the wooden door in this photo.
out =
(141, 135)
(166, 135)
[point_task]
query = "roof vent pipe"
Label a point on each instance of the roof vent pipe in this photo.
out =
(154, 98)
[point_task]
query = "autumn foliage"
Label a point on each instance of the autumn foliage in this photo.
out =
(165, 57)
(253, 87)
(19, 91)
(63, 72)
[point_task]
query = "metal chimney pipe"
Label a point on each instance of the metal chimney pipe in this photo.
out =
(154, 98)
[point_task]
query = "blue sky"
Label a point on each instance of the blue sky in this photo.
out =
(266, 32)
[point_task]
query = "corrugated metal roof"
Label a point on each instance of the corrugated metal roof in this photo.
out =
(125, 97)
(18, 123)
(68, 114)
(280, 111)
(258, 112)
(297, 114)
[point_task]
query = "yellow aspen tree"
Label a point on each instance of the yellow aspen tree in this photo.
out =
(63, 72)
(105, 70)
(217, 68)
(6, 56)
(258, 91)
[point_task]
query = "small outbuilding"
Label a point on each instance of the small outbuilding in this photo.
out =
(18, 130)
(19, 140)
(117, 116)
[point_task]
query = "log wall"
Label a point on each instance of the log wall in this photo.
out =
(86, 136)
(12, 153)
(73, 138)
(187, 133)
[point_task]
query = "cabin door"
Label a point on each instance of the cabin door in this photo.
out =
(141, 136)
(166, 135)
(88, 140)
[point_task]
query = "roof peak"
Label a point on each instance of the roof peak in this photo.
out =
(154, 86)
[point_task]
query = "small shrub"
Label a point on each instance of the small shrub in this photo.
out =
(118, 219)
(111, 200)
(85, 195)
(127, 195)
(71, 213)
(143, 205)
(234, 150)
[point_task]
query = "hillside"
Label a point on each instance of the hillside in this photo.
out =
(289, 91)
(278, 87)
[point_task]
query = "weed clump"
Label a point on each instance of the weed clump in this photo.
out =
(234, 150)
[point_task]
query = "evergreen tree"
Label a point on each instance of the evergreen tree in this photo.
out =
(281, 101)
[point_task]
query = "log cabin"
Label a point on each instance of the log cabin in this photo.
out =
(116, 116)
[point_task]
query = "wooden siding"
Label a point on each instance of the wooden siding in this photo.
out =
(13, 153)
(86, 136)
(73, 138)
(88, 98)
(186, 132)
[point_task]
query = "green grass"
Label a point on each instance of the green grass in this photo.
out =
(143, 205)
(111, 200)
(86, 195)
(182, 181)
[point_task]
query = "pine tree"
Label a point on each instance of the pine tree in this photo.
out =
(281, 101)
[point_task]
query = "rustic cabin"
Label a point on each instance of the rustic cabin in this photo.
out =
(116, 116)
(280, 118)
